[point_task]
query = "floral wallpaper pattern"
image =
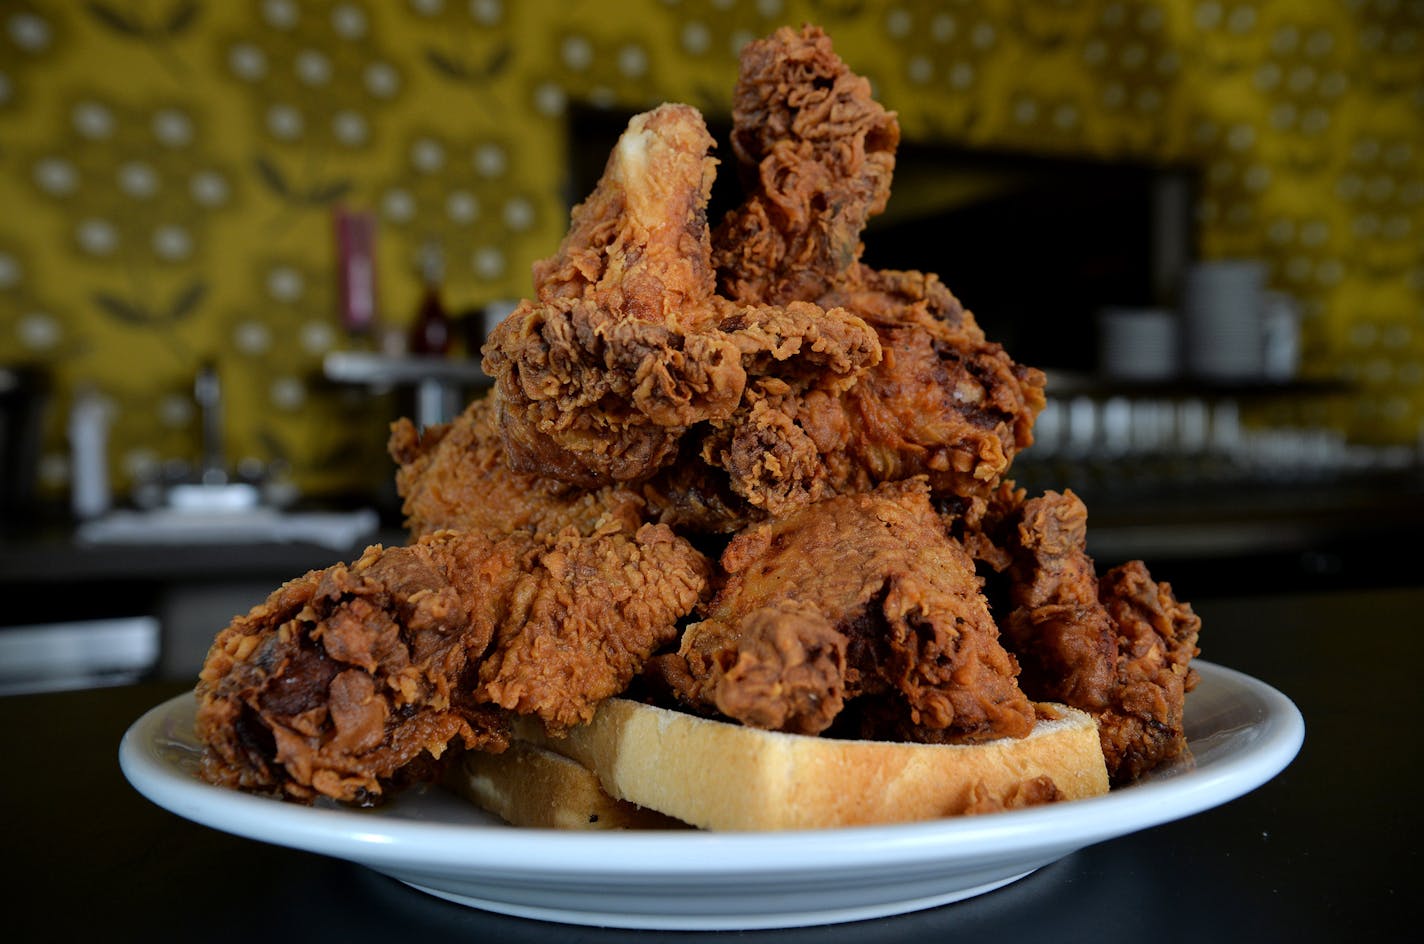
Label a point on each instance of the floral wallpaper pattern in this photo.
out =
(169, 170)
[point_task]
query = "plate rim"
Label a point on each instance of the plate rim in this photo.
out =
(366, 837)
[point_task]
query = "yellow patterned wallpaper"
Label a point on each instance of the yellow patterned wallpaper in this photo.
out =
(169, 168)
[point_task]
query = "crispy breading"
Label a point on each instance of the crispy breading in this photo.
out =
(626, 345)
(457, 476)
(349, 680)
(862, 603)
(841, 435)
(942, 401)
(1118, 648)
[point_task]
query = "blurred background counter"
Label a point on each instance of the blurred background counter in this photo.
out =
(80, 614)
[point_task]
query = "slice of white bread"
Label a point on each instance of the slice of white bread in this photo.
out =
(529, 786)
(722, 776)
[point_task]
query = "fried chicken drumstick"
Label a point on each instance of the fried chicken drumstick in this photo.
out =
(348, 681)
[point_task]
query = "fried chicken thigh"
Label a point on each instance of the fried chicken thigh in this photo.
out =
(858, 604)
(351, 680)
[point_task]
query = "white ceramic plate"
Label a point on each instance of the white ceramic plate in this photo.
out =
(1241, 732)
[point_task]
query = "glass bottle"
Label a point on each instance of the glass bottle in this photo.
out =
(431, 332)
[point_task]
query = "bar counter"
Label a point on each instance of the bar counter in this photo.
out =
(1328, 850)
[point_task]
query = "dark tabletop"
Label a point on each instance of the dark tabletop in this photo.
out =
(1328, 850)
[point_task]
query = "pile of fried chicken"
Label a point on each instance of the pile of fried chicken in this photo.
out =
(730, 470)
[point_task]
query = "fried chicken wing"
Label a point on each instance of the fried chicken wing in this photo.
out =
(1157, 639)
(855, 602)
(626, 345)
(943, 401)
(350, 680)
(816, 153)
(1118, 648)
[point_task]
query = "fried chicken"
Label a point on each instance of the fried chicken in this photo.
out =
(457, 476)
(809, 376)
(818, 153)
(857, 604)
(585, 616)
(851, 429)
(349, 681)
(942, 403)
(1157, 639)
(620, 352)
(626, 345)
(1118, 648)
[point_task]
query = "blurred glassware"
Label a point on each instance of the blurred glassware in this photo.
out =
(1280, 337)
(356, 267)
(1226, 427)
(1082, 427)
(1117, 425)
(90, 416)
(207, 391)
(1193, 426)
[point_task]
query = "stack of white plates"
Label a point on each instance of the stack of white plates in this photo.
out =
(1138, 344)
(1221, 319)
